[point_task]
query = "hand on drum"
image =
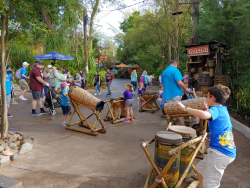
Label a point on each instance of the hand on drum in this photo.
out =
(189, 90)
(180, 104)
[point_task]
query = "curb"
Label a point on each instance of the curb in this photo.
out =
(243, 129)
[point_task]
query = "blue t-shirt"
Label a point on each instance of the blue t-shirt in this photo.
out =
(169, 78)
(8, 84)
(220, 131)
(127, 95)
(65, 100)
(133, 78)
(191, 97)
(23, 71)
(163, 101)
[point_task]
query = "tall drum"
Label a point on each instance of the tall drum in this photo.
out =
(83, 97)
(187, 134)
(116, 105)
(146, 96)
(164, 142)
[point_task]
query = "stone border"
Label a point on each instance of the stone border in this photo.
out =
(243, 129)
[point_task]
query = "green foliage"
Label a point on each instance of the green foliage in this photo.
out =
(91, 75)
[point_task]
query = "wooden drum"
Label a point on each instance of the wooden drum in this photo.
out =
(115, 104)
(187, 134)
(83, 97)
(146, 96)
(164, 142)
(196, 103)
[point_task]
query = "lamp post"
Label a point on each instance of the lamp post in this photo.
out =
(195, 5)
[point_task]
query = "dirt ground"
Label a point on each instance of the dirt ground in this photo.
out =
(64, 158)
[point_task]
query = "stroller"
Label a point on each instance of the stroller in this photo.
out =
(52, 102)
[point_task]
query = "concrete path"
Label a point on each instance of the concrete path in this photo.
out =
(63, 158)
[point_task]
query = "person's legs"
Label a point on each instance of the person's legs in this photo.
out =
(33, 104)
(127, 109)
(45, 90)
(8, 98)
(108, 85)
(131, 112)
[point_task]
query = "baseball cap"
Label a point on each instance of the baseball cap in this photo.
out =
(25, 63)
(38, 61)
(49, 66)
(63, 84)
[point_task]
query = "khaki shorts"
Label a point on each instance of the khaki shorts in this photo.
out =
(23, 84)
(174, 99)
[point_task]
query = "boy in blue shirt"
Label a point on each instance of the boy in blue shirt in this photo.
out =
(222, 149)
(9, 78)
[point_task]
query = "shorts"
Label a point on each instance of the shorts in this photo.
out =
(174, 99)
(23, 84)
(129, 102)
(8, 97)
(150, 84)
(37, 95)
(66, 110)
(212, 167)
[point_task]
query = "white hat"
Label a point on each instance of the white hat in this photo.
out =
(25, 63)
(49, 66)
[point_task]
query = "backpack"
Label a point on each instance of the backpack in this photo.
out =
(143, 79)
(18, 74)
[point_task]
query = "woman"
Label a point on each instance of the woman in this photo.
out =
(96, 82)
(150, 83)
(134, 81)
(82, 78)
(60, 77)
(144, 79)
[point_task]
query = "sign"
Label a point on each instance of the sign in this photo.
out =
(86, 68)
(102, 57)
(199, 50)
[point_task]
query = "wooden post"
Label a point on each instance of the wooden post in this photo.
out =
(85, 43)
(195, 21)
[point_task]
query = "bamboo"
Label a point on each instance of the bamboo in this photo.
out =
(148, 178)
(194, 184)
(82, 130)
(169, 125)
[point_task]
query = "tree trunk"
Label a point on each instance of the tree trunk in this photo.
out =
(12, 43)
(75, 44)
(169, 48)
(162, 60)
(4, 120)
(47, 21)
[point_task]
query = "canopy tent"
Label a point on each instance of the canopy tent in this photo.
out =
(135, 66)
(54, 56)
(122, 66)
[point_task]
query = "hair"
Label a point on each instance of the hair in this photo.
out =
(59, 68)
(133, 73)
(150, 73)
(130, 86)
(144, 72)
(199, 94)
(220, 92)
(66, 70)
(96, 71)
(77, 73)
(141, 84)
(173, 61)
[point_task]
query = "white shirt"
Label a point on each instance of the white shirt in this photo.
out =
(150, 78)
(160, 79)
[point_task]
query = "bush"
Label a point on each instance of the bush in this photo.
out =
(91, 75)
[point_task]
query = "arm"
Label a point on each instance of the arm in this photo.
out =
(194, 93)
(39, 79)
(122, 96)
(181, 84)
(55, 75)
(25, 76)
(46, 75)
(99, 80)
(65, 94)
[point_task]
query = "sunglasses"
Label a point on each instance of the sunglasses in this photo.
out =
(208, 96)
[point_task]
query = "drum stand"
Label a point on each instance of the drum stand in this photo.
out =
(202, 130)
(160, 173)
(151, 104)
(117, 104)
(84, 121)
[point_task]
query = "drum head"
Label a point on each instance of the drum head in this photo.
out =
(168, 138)
(149, 93)
(185, 132)
(115, 98)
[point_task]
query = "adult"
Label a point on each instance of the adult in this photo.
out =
(66, 73)
(60, 78)
(49, 76)
(22, 82)
(78, 81)
(150, 81)
(82, 78)
(134, 80)
(108, 79)
(172, 85)
(144, 79)
(96, 82)
(36, 85)
(160, 79)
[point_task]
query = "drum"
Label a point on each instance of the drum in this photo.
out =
(83, 97)
(116, 107)
(196, 103)
(187, 134)
(146, 96)
(164, 142)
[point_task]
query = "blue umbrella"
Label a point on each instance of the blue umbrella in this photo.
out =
(53, 56)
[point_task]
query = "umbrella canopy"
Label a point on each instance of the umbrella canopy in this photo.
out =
(122, 66)
(135, 66)
(53, 56)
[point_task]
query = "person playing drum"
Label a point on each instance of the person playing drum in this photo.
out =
(222, 149)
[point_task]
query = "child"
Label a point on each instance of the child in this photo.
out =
(140, 90)
(65, 102)
(78, 81)
(222, 150)
(150, 83)
(128, 98)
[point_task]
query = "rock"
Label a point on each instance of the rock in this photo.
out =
(1, 149)
(15, 151)
(10, 132)
(8, 142)
(15, 157)
(18, 135)
(4, 159)
(4, 145)
(8, 153)
(1, 142)
(20, 138)
(7, 148)
(13, 138)
(25, 148)
(17, 143)
(13, 146)
(27, 140)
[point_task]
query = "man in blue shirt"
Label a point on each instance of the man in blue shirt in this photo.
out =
(172, 85)
(22, 82)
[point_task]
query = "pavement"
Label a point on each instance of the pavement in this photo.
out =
(64, 158)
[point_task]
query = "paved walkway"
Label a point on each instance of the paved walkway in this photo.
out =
(63, 158)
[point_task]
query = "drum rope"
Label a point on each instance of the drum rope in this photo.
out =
(175, 153)
(158, 181)
(190, 143)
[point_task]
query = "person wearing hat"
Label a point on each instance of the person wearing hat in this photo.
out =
(64, 91)
(49, 76)
(22, 82)
(36, 85)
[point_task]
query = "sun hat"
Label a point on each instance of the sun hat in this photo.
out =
(63, 84)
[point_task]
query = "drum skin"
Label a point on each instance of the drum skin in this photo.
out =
(196, 103)
(83, 97)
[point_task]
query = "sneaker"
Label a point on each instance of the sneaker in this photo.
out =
(24, 99)
(132, 119)
(64, 124)
(15, 102)
(100, 93)
(138, 109)
(36, 114)
(9, 115)
(95, 94)
(44, 112)
(126, 120)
